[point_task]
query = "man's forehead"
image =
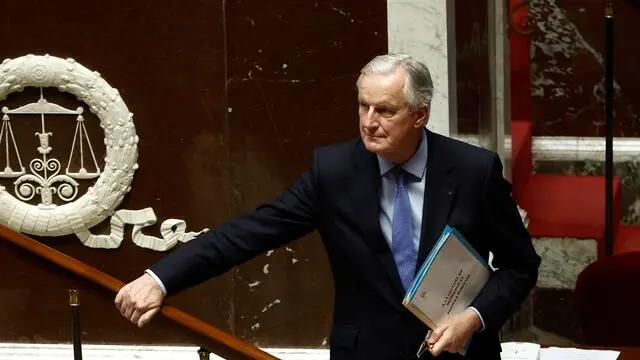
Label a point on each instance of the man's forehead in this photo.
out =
(379, 98)
(381, 89)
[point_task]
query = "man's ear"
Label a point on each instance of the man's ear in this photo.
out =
(422, 117)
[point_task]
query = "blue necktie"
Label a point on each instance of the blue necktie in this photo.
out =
(402, 247)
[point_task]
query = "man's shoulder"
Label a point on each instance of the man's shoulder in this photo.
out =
(463, 150)
(340, 148)
(337, 157)
(464, 155)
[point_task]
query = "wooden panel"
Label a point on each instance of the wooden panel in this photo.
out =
(167, 61)
(291, 88)
(228, 103)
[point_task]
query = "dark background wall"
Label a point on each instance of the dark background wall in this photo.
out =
(472, 65)
(229, 98)
(567, 68)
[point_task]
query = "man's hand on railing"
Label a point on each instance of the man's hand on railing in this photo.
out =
(140, 300)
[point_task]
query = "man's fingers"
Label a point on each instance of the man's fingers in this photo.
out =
(122, 299)
(118, 299)
(139, 300)
(135, 316)
(146, 317)
(436, 334)
(128, 312)
(441, 343)
(436, 349)
(124, 304)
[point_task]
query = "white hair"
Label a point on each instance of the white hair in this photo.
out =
(418, 86)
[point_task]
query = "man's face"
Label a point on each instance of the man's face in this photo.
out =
(387, 126)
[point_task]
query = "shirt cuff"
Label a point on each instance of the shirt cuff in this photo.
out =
(164, 289)
(480, 316)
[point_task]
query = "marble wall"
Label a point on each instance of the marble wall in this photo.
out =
(452, 38)
(425, 30)
(567, 67)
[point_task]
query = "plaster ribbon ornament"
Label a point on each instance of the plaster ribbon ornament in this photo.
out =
(46, 177)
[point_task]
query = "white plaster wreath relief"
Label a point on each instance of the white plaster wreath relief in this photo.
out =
(45, 177)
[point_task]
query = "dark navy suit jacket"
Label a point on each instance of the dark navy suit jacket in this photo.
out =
(339, 197)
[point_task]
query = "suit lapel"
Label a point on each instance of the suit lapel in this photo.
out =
(364, 186)
(439, 194)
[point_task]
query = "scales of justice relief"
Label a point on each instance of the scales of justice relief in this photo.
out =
(60, 209)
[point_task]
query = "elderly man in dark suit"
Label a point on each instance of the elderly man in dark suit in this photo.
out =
(379, 202)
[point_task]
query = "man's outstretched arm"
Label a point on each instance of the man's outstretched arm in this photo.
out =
(293, 214)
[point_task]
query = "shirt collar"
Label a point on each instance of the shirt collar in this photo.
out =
(415, 166)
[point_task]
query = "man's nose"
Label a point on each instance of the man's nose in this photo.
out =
(371, 116)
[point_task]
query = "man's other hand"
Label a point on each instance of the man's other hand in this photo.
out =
(140, 300)
(452, 334)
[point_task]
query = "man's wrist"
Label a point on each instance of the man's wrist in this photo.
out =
(474, 319)
(157, 280)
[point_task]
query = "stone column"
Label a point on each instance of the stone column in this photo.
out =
(425, 29)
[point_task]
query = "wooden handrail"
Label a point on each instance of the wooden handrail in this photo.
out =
(210, 337)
